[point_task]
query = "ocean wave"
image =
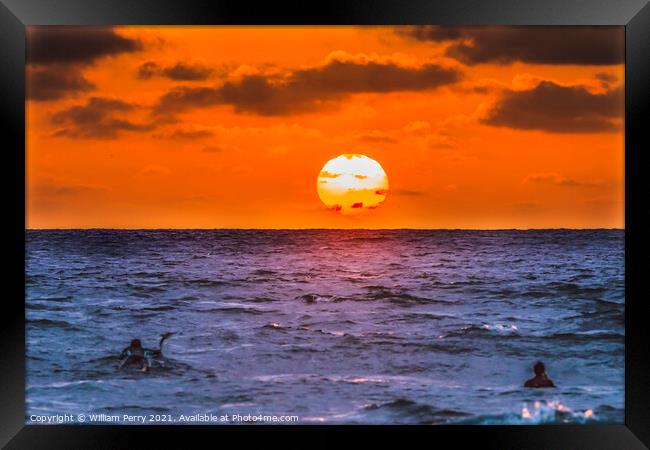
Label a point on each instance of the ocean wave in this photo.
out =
(399, 297)
(41, 306)
(497, 329)
(157, 288)
(560, 289)
(362, 239)
(203, 282)
(510, 330)
(63, 384)
(336, 333)
(50, 323)
(362, 318)
(275, 326)
(404, 410)
(417, 317)
(574, 288)
(56, 299)
(586, 336)
(158, 308)
(539, 413)
(231, 309)
(284, 328)
(263, 272)
(438, 346)
(316, 298)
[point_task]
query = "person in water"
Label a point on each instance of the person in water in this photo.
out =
(541, 380)
(137, 355)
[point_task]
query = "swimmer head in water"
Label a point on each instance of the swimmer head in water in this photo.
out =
(135, 354)
(541, 380)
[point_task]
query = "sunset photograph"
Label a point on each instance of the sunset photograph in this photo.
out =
(325, 225)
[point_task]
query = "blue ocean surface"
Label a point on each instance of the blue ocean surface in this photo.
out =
(329, 326)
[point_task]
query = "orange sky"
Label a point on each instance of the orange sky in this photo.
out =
(211, 127)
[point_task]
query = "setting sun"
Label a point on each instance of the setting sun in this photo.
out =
(352, 183)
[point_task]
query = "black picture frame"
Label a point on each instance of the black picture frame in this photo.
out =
(15, 15)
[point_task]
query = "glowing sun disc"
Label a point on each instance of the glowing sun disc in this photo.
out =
(352, 183)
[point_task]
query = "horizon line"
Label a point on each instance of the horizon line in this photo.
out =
(319, 229)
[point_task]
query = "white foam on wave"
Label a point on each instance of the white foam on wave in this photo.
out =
(539, 413)
(61, 384)
(553, 411)
(500, 328)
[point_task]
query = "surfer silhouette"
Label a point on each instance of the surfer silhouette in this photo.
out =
(137, 355)
(541, 380)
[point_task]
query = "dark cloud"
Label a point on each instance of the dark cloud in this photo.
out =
(56, 56)
(187, 72)
(55, 82)
(538, 45)
(94, 110)
(434, 32)
(97, 119)
(148, 70)
(606, 77)
(75, 44)
(559, 109)
(212, 149)
(178, 72)
(341, 77)
(308, 89)
(357, 205)
(185, 97)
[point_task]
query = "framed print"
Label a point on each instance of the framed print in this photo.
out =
(345, 220)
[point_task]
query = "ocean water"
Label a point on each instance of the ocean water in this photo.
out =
(329, 326)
